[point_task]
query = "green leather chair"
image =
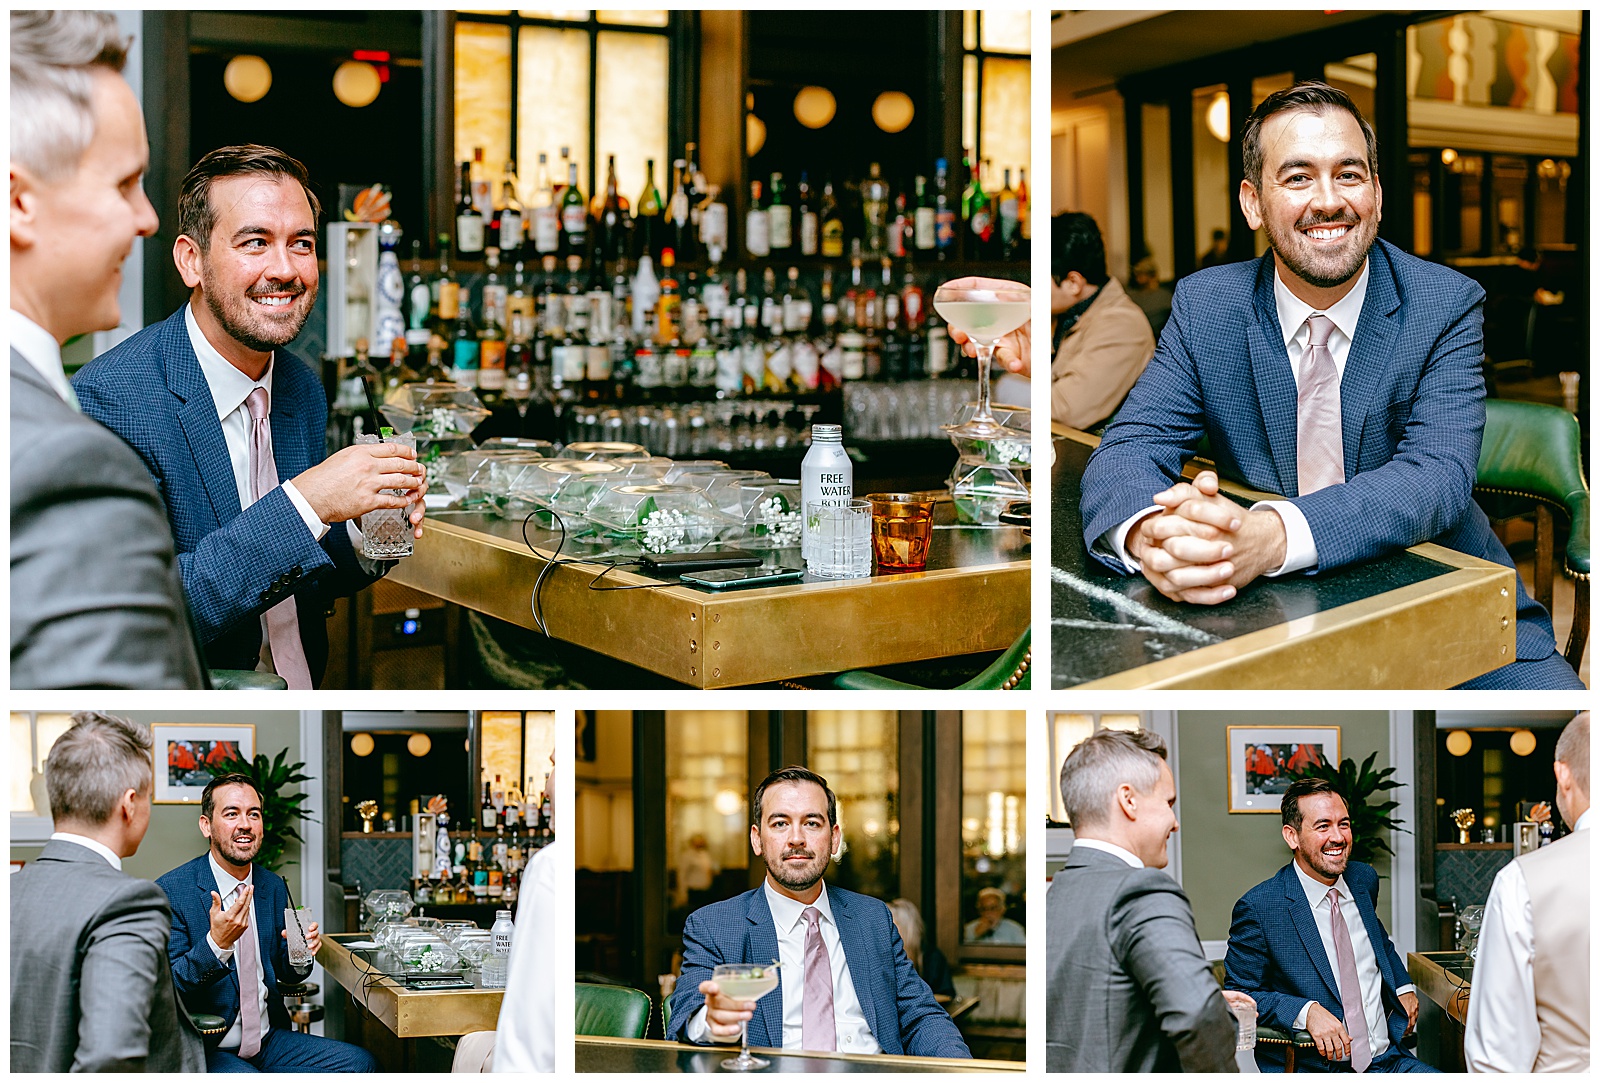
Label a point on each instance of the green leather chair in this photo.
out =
(1012, 670)
(245, 679)
(611, 1011)
(210, 1026)
(1534, 453)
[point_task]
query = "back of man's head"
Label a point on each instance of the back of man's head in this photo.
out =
(1075, 245)
(90, 767)
(1103, 762)
(54, 57)
(1572, 749)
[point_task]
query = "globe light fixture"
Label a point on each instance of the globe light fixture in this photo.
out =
(362, 744)
(815, 106)
(419, 744)
(247, 78)
(755, 134)
(1217, 117)
(1523, 742)
(893, 111)
(356, 83)
(1459, 742)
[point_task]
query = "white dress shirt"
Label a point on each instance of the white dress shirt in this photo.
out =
(1367, 972)
(525, 1039)
(40, 349)
(1300, 549)
(1502, 1015)
(227, 887)
(1109, 848)
(94, 844)
(850, 1022)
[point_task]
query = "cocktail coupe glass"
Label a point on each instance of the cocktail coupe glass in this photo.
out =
(745, 981)
(987, 316)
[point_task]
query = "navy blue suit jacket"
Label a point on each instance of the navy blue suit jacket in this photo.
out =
(1276, 955)
(1411, 397)
(236, 564)
(205, 985)
(898, 1004)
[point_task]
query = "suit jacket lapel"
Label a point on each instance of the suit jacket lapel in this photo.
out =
(866, 977)
(289, 452)
(1370, 351)
(1275, 388)
(198, 416)
(762, 948)
(1306, 926)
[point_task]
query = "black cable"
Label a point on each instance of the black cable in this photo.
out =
(609, 568)
(555, 558)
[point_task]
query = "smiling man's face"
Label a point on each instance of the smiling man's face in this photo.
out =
(1322, 845)
(235, 826)
(1319, 198)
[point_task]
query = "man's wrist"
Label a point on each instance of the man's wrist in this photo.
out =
(224, 955)
(309, 514)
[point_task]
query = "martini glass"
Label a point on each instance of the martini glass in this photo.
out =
(745, 981)
(986, 316)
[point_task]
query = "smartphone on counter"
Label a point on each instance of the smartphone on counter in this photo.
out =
(720, 578)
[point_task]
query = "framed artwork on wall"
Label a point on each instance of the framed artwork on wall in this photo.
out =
(186, 753)
(1262, 761)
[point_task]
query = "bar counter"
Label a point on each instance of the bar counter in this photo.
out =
(641, 1055)
(973, 597)
(408, 1013)
(1428, 617)
(1444, 977)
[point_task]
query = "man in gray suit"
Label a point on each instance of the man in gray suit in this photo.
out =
(91, 990)
(1127, 986)
(96, 600)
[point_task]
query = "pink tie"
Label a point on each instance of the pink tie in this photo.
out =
(1320, 433)
(817, 1032)
(283, 622)
(1355, 1015)
(249, 997)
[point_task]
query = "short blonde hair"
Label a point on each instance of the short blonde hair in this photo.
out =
(54, 56)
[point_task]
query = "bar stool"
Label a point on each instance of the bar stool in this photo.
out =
(296, 998)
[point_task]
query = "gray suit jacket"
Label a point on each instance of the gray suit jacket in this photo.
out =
(96, 599)
(1127, 987)
(91, 990)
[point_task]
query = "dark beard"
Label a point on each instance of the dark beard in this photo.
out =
(797, 879)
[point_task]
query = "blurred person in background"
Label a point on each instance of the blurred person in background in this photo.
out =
(991, 926)
(927, 958)
(1102, 340)
(90, 987)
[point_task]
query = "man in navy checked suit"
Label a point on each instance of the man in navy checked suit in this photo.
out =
(219, 899)
(1236, 361)
(846, 984)
(1285, 950)
(180, 392)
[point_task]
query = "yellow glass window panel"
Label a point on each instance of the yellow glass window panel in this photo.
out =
(994, 767)
(538, 741)
(631, 109)
(707, 797)
(1067, 729)
(969, 111)
(483, 11)
(633, 18)
(577, 15)
(858, 752)
(552, 107)
(1006, 139)
(1008, 31)
(31, 738)
(483, 95)
(969, 29)
(500, 737)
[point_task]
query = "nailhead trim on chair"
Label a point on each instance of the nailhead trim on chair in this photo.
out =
(1020, 672)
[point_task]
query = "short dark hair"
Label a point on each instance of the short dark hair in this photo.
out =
(232, 778)
(1312, 97)
(793, 774)
(196, 218)
(1305, 787)
(1075, 245)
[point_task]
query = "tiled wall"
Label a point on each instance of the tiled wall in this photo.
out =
(1466, 875)
(378, 861)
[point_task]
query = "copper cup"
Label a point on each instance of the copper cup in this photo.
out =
(902, 530)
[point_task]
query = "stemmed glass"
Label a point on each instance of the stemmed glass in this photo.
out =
(745, 981)
(986, 316)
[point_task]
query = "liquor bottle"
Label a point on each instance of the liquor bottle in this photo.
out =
(703, 357)
(518, 374)
(513, 888)
(560, 177)
(398, 372)
(458, 860)
(646, 291)
(419, 299)
(482, 191)
(492, 356)
(530, 812)
(469, 220)
(443, 893)
(497, 863)
(388, 322)
(597, 350)
(924, 231)
(572, 364)
(519, 300)
(547, 817)
(514, 855)
(648, 222)
(796, 304)
(938, 338)
(497, 797)
(464, 352)
(494, 292)
(433, 370)
(478, 868)
(757, 226)
(944, 212)
(752, 356)
(680, 229)
(445, 291)
(901, 226)
(832, 223)
(613, 217)
(780, 218)
(912, 316)
(574, 215)
(1024, 225)
(668, 303)
(513, 220)
(894, 349)
(810, 225)
(875, 211)
(486, 815)
(1010, 220)
(546, 215)
(828, 350)
(978, 213)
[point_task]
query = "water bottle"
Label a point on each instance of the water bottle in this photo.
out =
(826, 477)
(497, 966)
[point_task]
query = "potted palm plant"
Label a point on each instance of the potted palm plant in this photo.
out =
(280, 809)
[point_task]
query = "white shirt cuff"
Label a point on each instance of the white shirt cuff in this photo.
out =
(1405, 989)
(1300, 548)
(317, 527)
(1116, 539)
(1300, 1020)
(224, 955)
(697, 1030)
